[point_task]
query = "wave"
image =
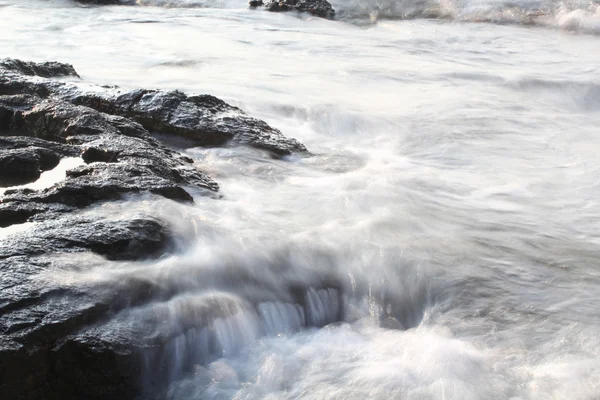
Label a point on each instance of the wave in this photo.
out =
(573, 16)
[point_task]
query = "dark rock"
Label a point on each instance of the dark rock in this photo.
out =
(116, 240)
(276, 6)
(22, 166)
(66, 331)
(158, 173)
(56, 120)
(95, 154)
(44, 69)
(319, 8)
(18, 212)
(205, 120)
(38, 359)
(143, 164)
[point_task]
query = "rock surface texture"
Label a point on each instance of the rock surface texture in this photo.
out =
(48, 348)
(319, 8)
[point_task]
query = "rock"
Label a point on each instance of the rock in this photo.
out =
(96, 154)
(22, 166)
(44, 69)
(18, 212)
(319, 8)
(59, 121)
(116, 240)
(24, 142)
(66, 330)
(143, 164)
(204, 120)
(107, 2)
(70, 332)
(38, 359)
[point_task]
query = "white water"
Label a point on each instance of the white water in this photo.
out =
(454, 191)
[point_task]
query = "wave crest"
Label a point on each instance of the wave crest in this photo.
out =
(575, 16)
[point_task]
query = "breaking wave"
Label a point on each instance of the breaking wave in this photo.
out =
(572, 16)
(576, 16)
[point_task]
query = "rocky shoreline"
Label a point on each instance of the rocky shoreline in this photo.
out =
(56, 339)
(319, 8)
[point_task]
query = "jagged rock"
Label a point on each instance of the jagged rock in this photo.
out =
(96, 154)
(18, 212)
(143, 163)
(203, 119)
(319, 8)
(125, 240)
(44, 69)
(22, 166)
(59, 121)
(60, 340)
(24, 142)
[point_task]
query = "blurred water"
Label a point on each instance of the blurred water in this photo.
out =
(452, 202)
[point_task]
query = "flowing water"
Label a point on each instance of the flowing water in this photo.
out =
(448, 223)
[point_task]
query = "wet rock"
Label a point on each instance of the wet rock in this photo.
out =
(25, 142)
(22, 166)
(319, 8)
(18, 212)
(37, 317)
(96, 154)
(63, 326)
(43, 69)
(59, 121)
(204, 120)
(107, 2)
(116, 240)
(143, 164)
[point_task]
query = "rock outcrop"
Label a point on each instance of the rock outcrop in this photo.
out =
(57, 339)
(319, 8)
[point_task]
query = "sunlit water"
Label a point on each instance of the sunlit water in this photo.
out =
(452, 199)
